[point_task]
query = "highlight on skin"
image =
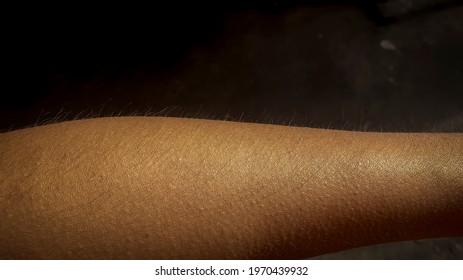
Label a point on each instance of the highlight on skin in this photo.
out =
(177, 188)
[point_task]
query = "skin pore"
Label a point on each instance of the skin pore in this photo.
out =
(172, 188)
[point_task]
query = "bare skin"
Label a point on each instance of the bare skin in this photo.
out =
(169, 188)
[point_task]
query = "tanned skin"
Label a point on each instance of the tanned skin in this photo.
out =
(171, 188)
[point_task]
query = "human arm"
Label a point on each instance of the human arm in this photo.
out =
(139, 187)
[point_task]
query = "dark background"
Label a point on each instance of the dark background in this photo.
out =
(355, 65)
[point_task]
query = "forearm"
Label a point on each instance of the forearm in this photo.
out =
(179, 188)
